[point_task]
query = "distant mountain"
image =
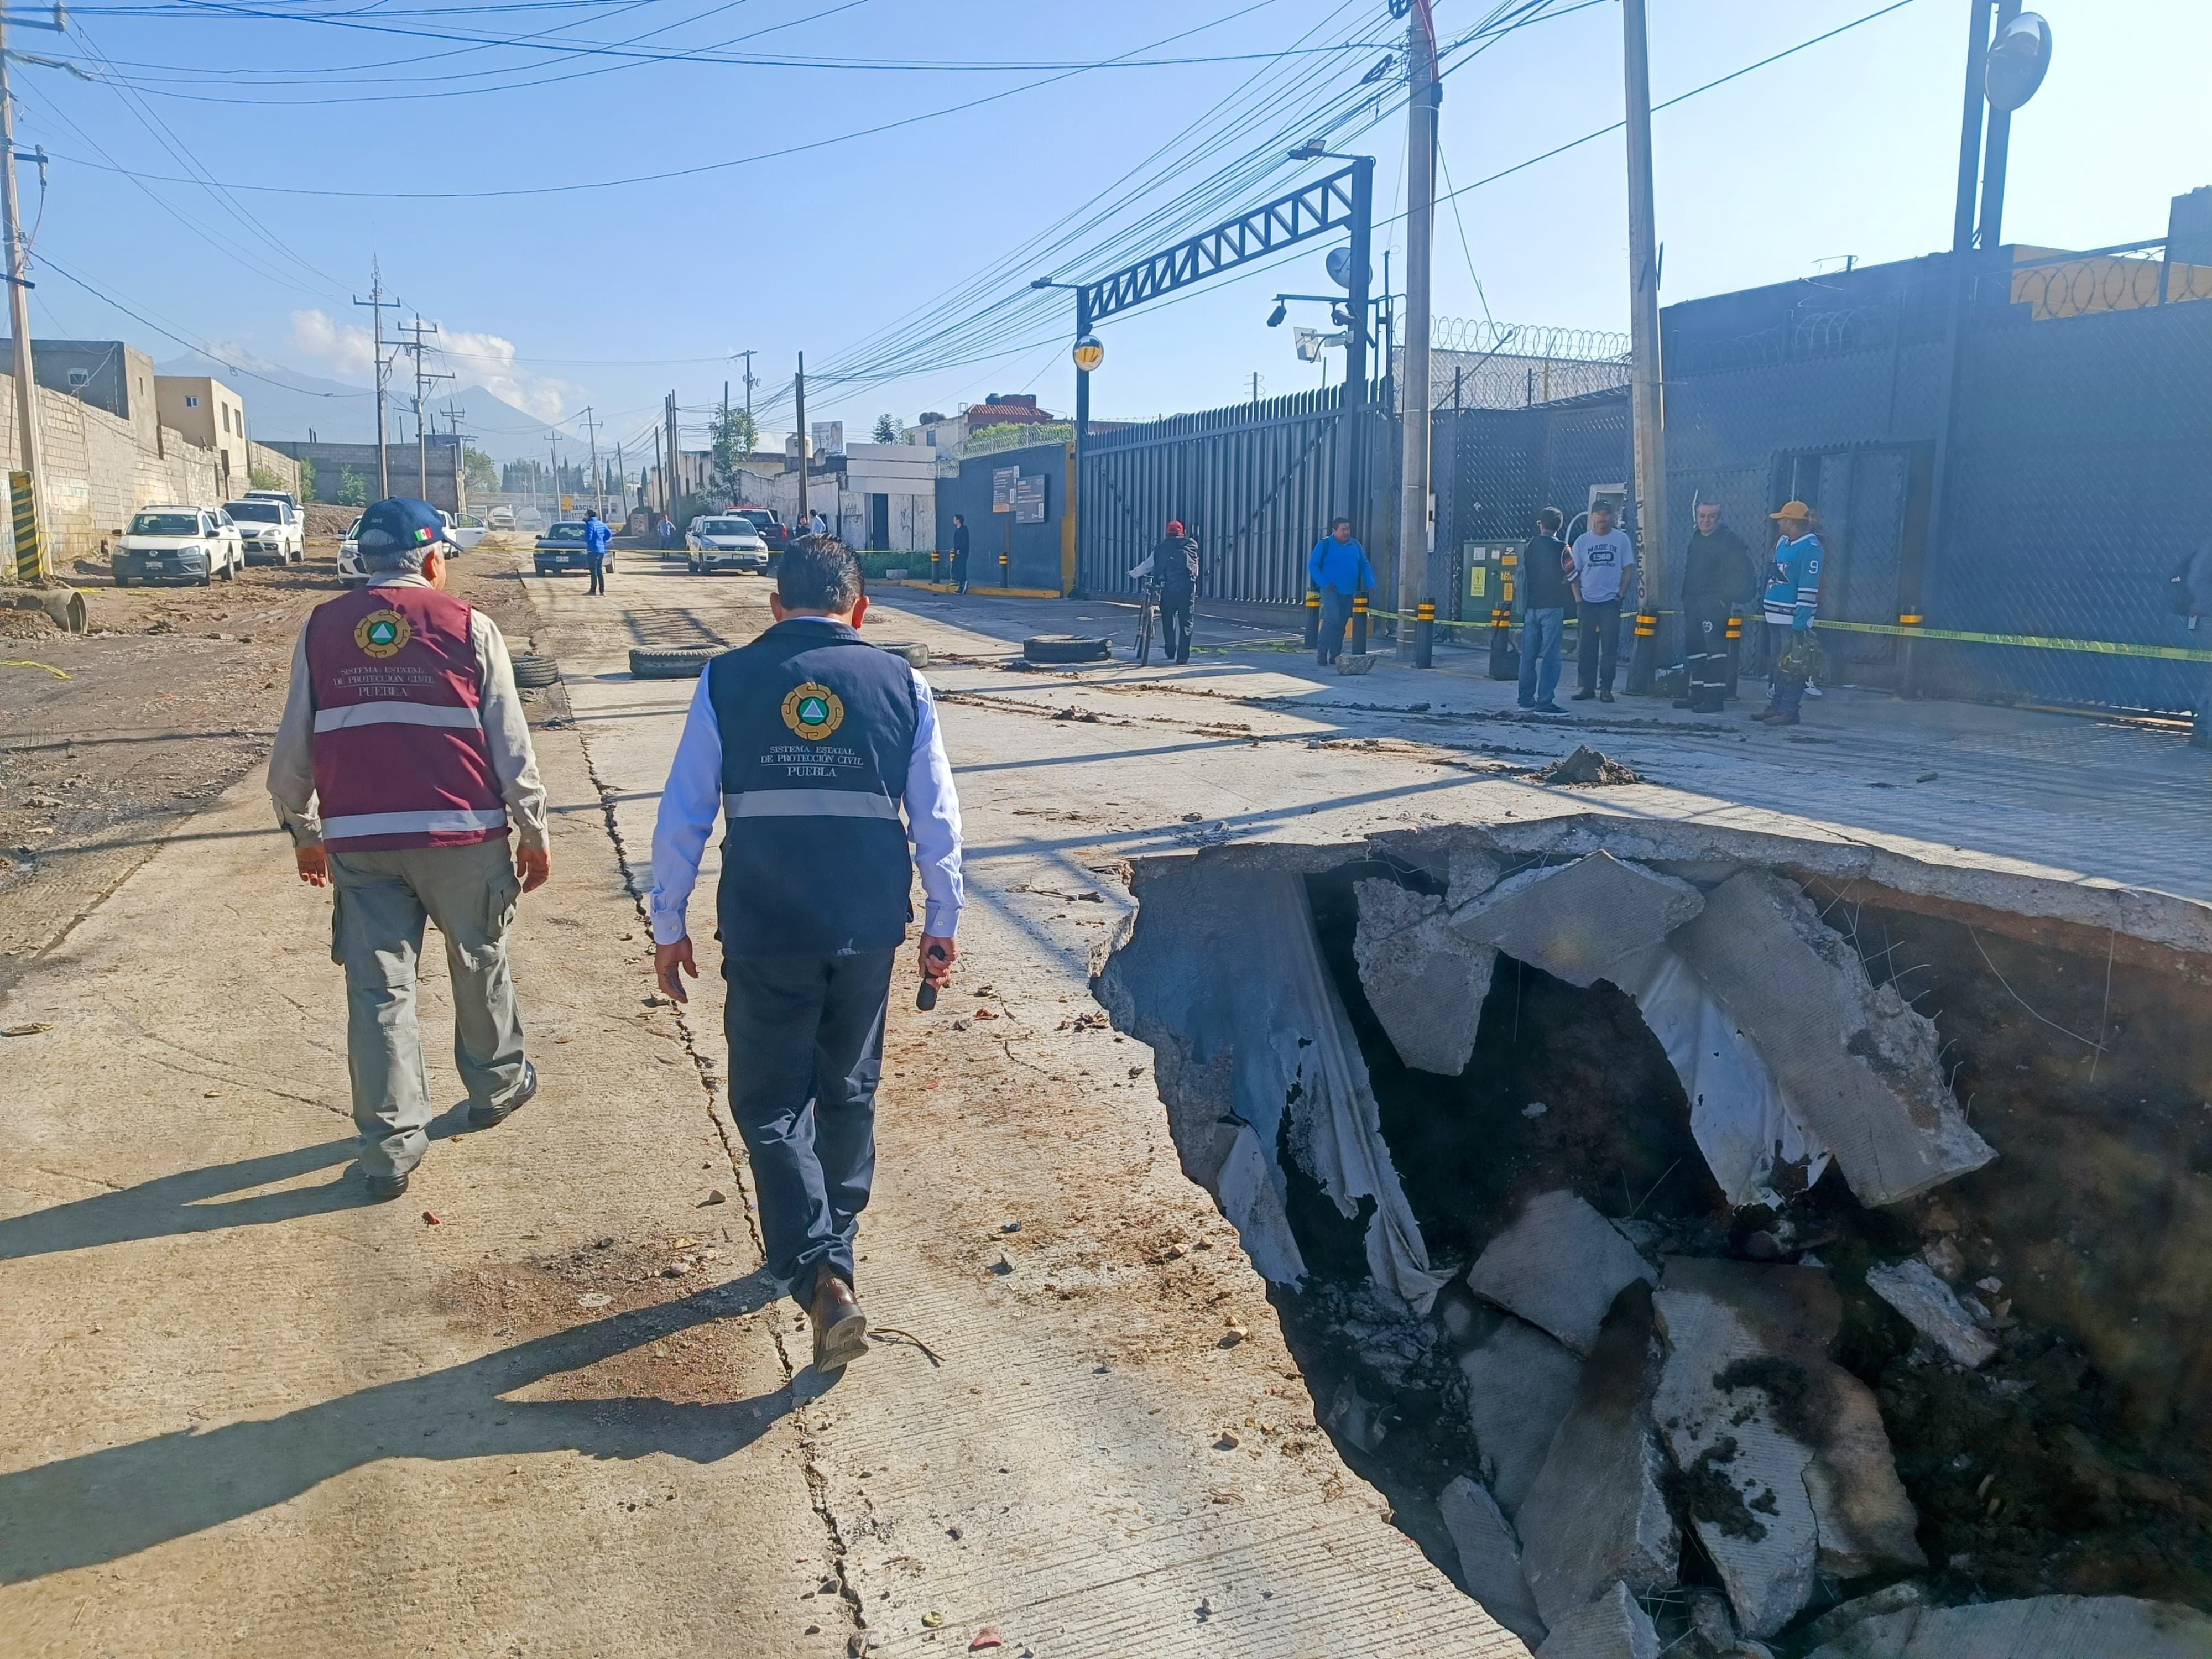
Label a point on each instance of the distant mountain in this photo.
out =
(284, 402)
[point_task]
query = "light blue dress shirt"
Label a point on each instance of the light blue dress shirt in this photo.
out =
(693, 800)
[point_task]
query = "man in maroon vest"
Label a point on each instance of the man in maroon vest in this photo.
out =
(402, 761)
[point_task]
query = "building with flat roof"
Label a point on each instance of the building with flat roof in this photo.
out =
(206, 412)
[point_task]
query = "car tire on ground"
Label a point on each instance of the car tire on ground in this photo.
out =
(686, 665)
(1066, 648)
(915, 652)
(532, 669)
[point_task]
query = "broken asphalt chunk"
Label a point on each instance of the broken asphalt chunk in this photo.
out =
(1857, 1064)
(1576, 920)
(1559, 1266)
(1520, 1386)
(1490, 1558)
(1425, 982)
(1910, 1287)
(2039, 1627)
(1597, 1514)
(1610, 1627)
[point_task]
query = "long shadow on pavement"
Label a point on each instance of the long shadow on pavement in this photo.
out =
(110, 1504)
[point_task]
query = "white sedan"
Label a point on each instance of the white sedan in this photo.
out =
(728, 543)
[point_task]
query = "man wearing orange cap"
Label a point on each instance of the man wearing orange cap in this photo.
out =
(1793, 597)
(1175, 568)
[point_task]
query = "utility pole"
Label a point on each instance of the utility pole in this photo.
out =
(553, 441)
(460, 455)
(622, 480)
(1648, 406)
(1417, 643)
(670, 486)
(27, 445)
(800, 415)
(598, 488)
(418, 345)
(378, 305)
(750, 383)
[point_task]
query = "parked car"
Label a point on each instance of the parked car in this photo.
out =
(179, 544)
(774, 534)
(562, 548)
(268, 530)
(351, 571)
(283, 496)
(725, 543)
(502, 518)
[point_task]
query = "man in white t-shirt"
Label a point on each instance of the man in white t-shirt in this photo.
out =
(1599, 567)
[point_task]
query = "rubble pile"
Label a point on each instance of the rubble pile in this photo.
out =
(1675, 1334)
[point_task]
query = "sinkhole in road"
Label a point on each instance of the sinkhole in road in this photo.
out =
(1788, 1248)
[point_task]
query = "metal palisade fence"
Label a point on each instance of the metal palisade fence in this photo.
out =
(1256, 484)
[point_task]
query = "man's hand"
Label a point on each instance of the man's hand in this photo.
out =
(665, 960)
(937, 955)
(313, 864)
(534, 865)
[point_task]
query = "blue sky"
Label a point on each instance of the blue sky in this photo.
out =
(907, 252)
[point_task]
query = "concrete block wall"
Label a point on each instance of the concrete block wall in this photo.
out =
(98, 473)
(259, 457)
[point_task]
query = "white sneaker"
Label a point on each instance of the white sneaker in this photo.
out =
(1812, 690)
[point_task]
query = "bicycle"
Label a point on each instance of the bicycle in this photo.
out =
(1148, 610)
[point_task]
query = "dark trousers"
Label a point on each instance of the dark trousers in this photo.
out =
(1704, 651)
(806, 1050)
(1174, 624)
(960, 569)
(598, 568)
(1597, 623)
(1335, 613)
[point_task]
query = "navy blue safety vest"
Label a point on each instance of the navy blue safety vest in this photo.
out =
(818, 730)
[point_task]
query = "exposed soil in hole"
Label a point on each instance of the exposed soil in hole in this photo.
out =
(2077, 1460)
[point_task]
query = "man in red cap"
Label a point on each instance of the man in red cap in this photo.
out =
(1175, 566)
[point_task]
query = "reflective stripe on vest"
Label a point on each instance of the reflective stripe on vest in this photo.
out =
(413, 823)
(398, 712)
(809, 804)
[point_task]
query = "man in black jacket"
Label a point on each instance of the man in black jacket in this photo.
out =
(1544, 596)
(1716, 578)
(1175, 566)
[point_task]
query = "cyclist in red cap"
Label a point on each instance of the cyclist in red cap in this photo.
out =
(1175, 566)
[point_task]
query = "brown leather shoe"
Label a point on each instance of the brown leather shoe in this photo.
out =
(841, 1329)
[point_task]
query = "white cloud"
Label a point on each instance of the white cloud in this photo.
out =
(474, 359)
(488, 359)
(346, 348)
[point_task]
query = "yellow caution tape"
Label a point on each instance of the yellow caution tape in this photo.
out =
(25, 662)
(2030, 642)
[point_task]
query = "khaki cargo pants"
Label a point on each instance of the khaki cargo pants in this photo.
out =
(379, 903)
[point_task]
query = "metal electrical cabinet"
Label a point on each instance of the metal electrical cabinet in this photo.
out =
(1489, 584)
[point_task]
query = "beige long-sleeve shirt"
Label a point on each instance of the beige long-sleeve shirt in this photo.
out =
(506, 727)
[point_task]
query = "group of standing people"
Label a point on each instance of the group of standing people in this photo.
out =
(1593, 575)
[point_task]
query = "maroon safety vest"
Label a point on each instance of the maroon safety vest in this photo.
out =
(400, 757)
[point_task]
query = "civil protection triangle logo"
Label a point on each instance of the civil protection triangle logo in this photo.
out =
(813, 711)
(382, 633)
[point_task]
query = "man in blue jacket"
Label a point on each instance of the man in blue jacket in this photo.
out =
(1792, 599)
(596, 538)
(1339, 569)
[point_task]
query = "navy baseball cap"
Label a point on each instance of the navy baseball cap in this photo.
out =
(399, 529)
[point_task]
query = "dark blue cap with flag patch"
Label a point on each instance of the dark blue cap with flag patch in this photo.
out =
(399, 530)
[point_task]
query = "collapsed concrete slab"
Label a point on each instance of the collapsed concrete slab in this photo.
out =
(1559, 1266)
(1489, 1558)
(1612, 1626)
(1757, 1147)
(1576, 920)
(1856, 1063)
(1597, 1514)
(1912, 1287)
(1750, 1399)
(1739, 1475)
(2039, 1627)
(1424, 981)
(1520, 1386)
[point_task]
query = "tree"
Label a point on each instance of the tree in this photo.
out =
(735, 433)
(478, 467)
(265, 478)
(886, 429)
(353, 488)
(929, 418)
(306, 480)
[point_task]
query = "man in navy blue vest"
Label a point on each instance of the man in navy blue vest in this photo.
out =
(807, 741)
